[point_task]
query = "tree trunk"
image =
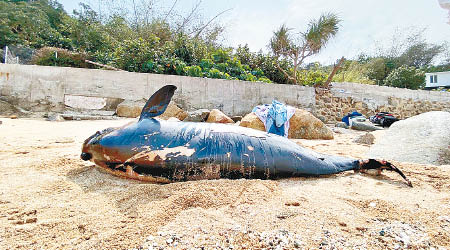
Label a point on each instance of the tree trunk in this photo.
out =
(335, 69)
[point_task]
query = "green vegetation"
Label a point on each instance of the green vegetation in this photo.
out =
(297, 48)
(139, 40)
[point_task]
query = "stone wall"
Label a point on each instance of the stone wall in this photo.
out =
(332, 104)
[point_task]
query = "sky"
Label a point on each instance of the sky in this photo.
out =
(366, 24)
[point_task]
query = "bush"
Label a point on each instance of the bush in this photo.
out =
(195, 71)
(49, 56)
(137, 55)
(406, 77)
(312, 76)
(353, 72)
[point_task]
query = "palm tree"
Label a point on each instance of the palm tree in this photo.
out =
(302, 45)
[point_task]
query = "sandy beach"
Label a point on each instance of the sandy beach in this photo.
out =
(51, 199)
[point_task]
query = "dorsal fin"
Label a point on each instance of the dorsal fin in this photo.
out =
(158, 102)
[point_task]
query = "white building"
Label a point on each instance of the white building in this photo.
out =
(437, 79)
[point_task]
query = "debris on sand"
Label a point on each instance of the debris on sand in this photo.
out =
(366, 138)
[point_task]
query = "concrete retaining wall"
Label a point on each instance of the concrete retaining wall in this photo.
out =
(43, 88)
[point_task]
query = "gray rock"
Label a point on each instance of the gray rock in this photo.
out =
(419, 139)
(199, 115)
(364, 126)
(366, 138)
(55, 118)
(341, 125)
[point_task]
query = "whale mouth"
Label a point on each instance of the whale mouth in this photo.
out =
(155, 175)
(166, 174)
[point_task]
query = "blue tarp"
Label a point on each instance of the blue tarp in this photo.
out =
(346, 118)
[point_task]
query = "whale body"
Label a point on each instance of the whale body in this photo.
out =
(163, 151)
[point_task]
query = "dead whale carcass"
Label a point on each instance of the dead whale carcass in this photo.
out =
(161, 151)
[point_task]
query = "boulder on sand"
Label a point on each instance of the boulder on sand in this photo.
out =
(174, 111)
(252, 121)
(132, 109)
(366, 138)
(419, 139)
(302, 125)
(216, 116)
(199, 115)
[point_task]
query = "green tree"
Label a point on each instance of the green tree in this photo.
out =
(377, 70)
(32, 23)
(295, 49)
(420, 54)
(406, 77)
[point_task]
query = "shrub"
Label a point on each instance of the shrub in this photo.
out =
(195, 71)
(49, 56)
(406, 77)
(137, 55)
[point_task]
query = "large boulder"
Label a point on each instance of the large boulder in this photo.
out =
(133, 109)
(130, 109)
(199, 115)
(302, 125)
(174, 111)
(252, 121)
(216, 116)
(424, 139)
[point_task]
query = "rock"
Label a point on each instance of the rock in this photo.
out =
(364, 126)
(55, 118)
(7, 108)
(366, 138)
(200, 115)
(252, 121)
(341, 130)
(130, 109)
(174, 111)
(216, 116)
(302, 125)
(341, 125)
(419, 139)
(13, 117)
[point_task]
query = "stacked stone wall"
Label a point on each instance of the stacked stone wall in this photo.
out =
(331, 107)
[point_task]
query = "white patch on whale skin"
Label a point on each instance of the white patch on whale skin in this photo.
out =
(221, 128)
(151, 155)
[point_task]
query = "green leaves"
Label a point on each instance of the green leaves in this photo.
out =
(296, 48)
(406, 77)
(321, 31)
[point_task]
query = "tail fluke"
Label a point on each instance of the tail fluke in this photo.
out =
(382, 165)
